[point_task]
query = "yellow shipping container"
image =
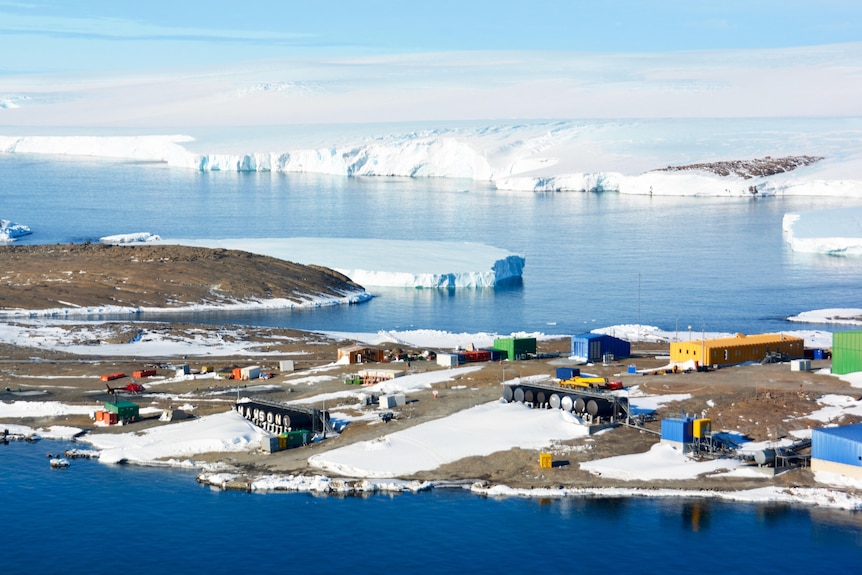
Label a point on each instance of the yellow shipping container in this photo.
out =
(701, 428)
(546, 461)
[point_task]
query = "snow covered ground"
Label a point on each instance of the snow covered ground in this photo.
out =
(480, 430)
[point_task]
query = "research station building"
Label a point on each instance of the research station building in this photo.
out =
(837, 450)
(846, 352)
(738, 349)
(596, 346)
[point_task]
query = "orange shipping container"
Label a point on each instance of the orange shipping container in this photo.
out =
(237, 373)
(144, 373)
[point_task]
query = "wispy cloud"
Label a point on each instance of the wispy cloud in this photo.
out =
(126, 29)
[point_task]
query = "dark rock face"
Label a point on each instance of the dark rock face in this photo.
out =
(758, 167)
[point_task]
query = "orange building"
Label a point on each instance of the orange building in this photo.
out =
(739, 349)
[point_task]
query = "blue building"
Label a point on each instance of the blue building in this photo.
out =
(678, 433)
(838, 450)
(594, 347)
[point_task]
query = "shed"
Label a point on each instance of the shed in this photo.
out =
(250, 372)
(447, 359)
(125, 410)
(372, 376)
(677, 432)
(390, 401)
(800, 365)
(358, 354)
(738, 349)
(837, 450)
(595, 346)
(846, 352)
(516, 347)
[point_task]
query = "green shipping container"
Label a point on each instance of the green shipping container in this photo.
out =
(296, 438)
(123, 409)
(516, 347)
(846, 352)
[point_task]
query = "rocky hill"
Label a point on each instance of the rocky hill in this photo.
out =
(164, 276)
(758, 167)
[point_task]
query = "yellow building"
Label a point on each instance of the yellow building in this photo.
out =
(738, 349)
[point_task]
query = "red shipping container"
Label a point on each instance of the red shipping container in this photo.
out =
(477, 355)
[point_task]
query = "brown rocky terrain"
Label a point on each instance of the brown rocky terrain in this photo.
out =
(763, 402)
(747, 169)
(164, 276)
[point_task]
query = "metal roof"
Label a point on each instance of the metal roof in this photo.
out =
(597, 336)
(742, 339)
(851, 432)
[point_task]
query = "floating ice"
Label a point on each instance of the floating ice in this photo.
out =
(834, 232)
(132, 238)
(10, 230)
(390, 263)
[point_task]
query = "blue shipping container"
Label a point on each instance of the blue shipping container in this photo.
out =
(838, 444)
(564, 373)
(679, 430)
(496, 354)
(594, 346)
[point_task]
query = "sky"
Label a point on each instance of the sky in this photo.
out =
(54, 36)
(185, 67)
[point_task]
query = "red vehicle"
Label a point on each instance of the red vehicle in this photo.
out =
(131, 387)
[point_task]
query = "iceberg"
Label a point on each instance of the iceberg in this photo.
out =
(10, 230)
(387, 263)
(834, 232)
(644, 157)
(132, 238)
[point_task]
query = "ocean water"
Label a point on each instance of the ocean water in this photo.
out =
(97, 518)
(592, 260)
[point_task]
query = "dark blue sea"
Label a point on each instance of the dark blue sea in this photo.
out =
(97, 518)
(592, 260)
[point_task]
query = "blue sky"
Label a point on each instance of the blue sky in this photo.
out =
(54, 36)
